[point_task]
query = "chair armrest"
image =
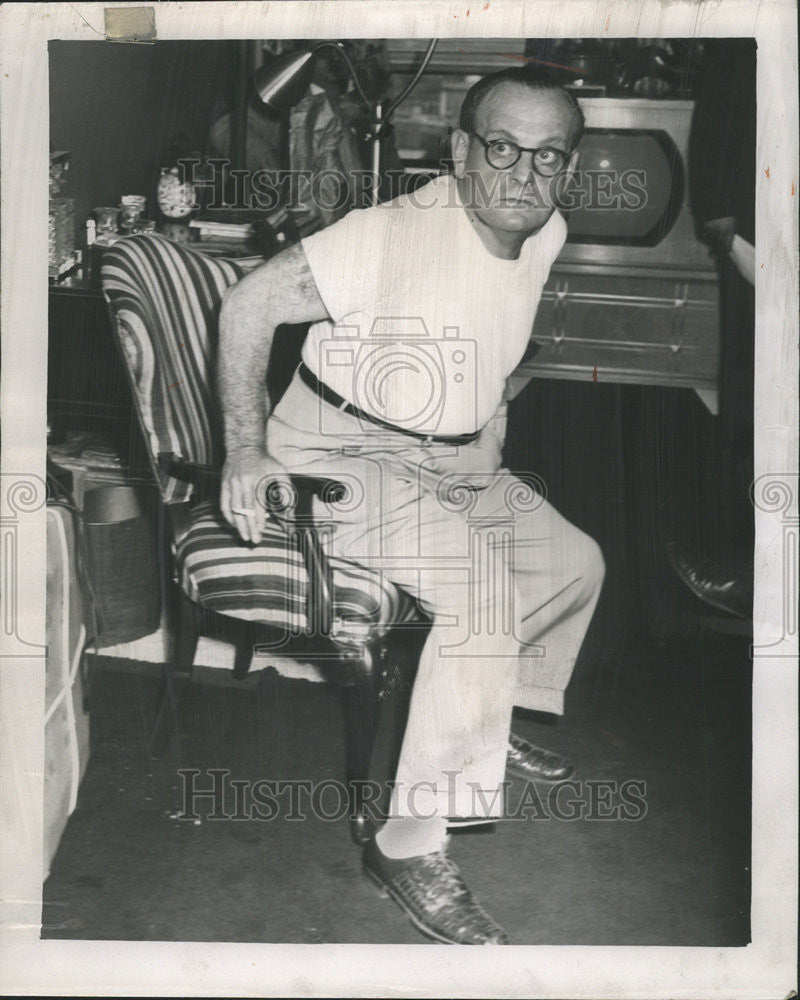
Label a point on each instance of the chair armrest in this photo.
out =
(206, 479)
(319, 606)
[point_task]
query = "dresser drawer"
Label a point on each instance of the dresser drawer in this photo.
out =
(628, 328)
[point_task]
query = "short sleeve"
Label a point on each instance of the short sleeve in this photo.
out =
(347, 258)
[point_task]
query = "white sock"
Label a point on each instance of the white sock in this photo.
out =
(410, 837)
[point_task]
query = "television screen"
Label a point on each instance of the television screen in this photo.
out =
(628, 187)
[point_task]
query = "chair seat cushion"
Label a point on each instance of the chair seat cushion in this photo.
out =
(268, 583)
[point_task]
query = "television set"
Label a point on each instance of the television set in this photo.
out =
(633, 296)
(629, 203)
(628, 187)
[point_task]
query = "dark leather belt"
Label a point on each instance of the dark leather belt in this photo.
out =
(325, 392)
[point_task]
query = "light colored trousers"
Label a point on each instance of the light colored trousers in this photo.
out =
(509, 584)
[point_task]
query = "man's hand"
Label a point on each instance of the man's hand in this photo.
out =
(246, 476)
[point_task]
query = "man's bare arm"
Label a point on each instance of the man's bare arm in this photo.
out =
(281, 291)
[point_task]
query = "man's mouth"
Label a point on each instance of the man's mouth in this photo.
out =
(517, 202)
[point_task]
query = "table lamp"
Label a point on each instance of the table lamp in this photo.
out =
(283, 82)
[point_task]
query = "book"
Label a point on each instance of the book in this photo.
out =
(222, 230)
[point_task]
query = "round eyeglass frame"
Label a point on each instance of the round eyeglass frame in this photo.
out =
(489, 143)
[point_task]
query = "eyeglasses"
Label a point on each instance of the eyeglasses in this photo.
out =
(502, 154)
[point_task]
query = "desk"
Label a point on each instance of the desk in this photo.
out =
(636, 313)
(86, 384)
(618, 324)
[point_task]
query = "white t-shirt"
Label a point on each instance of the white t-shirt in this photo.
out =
(426, 323)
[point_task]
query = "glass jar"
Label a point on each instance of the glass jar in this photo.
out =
(176, 197)
(131, 211)
(106, 219)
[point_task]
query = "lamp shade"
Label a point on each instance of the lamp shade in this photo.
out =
(283, 82)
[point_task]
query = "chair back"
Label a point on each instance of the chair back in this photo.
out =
(164, 301)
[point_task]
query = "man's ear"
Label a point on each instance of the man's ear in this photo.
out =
(459, 146)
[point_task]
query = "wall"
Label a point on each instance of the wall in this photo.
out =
(123, 111)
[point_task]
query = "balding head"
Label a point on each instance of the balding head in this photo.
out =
(530, 76)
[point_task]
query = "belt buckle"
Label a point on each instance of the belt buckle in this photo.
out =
(427, 440)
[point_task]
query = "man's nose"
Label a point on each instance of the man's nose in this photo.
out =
(523, 171)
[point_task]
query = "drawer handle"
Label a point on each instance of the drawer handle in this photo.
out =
(560, 312)
(678, 326)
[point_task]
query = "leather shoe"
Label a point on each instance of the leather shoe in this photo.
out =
(431, 891)
(712, 584)
(535, 763)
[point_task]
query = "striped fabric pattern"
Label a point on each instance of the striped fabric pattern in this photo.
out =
(268, 582)
(165, 300)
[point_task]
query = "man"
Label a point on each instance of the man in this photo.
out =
(421, 309)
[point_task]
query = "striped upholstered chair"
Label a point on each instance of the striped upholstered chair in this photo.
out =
(283, 594)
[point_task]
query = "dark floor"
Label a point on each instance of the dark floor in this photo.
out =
(673, 715)
(661, 695)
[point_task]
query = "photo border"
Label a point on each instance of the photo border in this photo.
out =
(28, 965)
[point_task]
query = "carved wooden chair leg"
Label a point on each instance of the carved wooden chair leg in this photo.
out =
(166, 721)
(400, 659)
(245, 644)
(186, 635)
(184, 630)
(361, 705)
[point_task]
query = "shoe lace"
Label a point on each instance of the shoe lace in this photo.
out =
(437, 891)
(438, 888)
(447, 877)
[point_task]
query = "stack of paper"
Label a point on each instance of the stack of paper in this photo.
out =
(208, 230)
